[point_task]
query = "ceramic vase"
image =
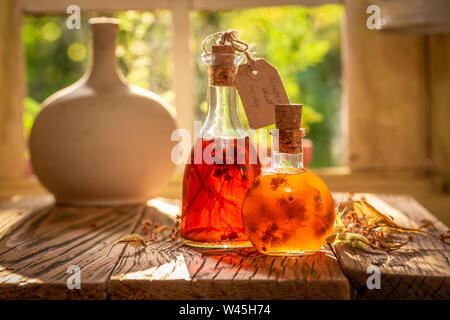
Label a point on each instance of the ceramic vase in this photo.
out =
(102, 141)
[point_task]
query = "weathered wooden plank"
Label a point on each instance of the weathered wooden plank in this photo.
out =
(169, 270)
(439, 84)
(59, 6)
(420, 270)
(37, 248)
(243, 4)
(18, 209)
(182, 85)
(39, 241)
(12, 92)
(384, 97)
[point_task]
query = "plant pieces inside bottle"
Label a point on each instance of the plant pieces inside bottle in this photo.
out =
(288, 213)
(213, 193)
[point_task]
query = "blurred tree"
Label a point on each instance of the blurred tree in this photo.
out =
(303, 43)
(57, 57)
(144, 50)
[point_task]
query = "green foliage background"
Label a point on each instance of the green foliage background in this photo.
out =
(303, 43)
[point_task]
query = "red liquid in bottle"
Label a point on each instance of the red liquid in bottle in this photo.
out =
(213, 193)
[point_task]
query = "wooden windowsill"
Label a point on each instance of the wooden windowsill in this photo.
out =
(425, 188)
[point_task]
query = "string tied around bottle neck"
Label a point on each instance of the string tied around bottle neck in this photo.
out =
(231, 38)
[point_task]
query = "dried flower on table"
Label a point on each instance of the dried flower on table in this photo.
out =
(358, 224)
(427, 224)
(135, 240)
(176, 229)
(444, 236)
(159, 229)
(146, 227)
(150, 231)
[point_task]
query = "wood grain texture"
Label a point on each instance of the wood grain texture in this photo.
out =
(37, 246)
(169, 270)
(420, 270)
(38, 241)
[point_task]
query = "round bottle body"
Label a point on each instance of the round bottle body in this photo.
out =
(288, 212)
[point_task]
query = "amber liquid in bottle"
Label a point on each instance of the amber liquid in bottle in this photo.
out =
(288, 210)
(288, 213)
(214, 187)
(213, 193)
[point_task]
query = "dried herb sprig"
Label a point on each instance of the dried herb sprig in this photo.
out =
(359, 224)
(146, 227)
(135, 240)
(150, 230)
(176, 229)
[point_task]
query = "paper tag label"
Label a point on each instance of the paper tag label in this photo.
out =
(259, 92)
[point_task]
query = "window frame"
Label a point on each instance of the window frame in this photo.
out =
(413, 179)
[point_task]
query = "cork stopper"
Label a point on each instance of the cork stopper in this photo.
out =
(222, 49)
(288, 116)
(290, 134)
(222, 69)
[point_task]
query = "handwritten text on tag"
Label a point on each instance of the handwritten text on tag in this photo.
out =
(259, 92)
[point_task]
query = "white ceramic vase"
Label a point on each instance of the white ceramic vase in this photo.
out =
(102, 141)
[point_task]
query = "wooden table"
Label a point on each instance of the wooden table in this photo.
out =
(39, 241)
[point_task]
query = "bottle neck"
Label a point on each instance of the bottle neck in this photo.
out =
(290, 158)
(223, 118)
(287, 160)
(104, 71)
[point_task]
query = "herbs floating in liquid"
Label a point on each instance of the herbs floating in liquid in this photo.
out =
(277, 181)
(287, 213)
(213, 193)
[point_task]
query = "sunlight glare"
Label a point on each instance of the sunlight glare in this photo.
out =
(169, 207)
(173, 270)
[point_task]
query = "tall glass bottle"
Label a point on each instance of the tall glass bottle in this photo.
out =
(222, 165)
(288, 210)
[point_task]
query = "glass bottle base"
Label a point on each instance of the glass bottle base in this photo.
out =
(290, 253)
(218, 244)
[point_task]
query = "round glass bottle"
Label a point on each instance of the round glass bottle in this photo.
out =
(222, 165)
(288, 210)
